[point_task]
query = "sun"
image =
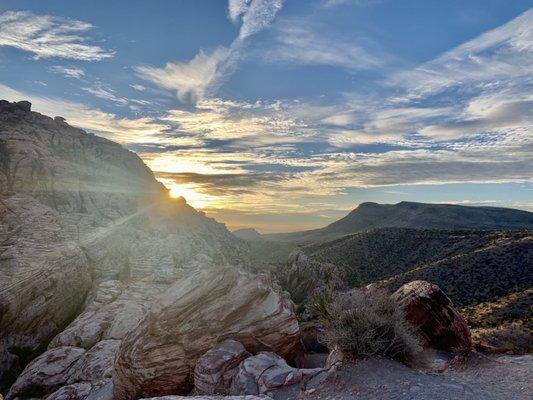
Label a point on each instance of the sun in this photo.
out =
(191, 193)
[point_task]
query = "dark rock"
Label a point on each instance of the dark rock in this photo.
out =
(427, 307)
(215, 370)
(9, 368)
(267, 373)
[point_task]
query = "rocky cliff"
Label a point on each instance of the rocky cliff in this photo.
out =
(88, 238)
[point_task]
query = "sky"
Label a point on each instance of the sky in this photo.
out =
(284, 115)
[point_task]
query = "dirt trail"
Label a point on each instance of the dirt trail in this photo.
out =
(506, 378)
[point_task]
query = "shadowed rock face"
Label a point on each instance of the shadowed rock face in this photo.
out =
(195, 313)
(439, 323)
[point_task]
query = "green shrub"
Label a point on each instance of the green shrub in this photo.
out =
(363, 324)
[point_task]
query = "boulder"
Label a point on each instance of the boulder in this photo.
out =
(77, 391)
(84, 391)
(46, 373)
(215, 370)
(96, 363)
(266, 373)
(9, 368)
(441, 326)
(190, 317)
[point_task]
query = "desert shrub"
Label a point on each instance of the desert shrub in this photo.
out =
(511, 338)
(296, 282)
(363, 324)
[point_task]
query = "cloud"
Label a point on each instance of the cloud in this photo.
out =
(236, 8)
(200, 77)
(69, 72)
(138, 87)
(105, 93)
(298, 43)
(256, 16)
(122, 130)
(48, 36)
(191, 80)
(335, 3)
(498, 55)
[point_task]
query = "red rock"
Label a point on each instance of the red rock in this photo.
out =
(440, 324)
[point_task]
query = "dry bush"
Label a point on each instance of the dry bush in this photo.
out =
(363, 324)
(511, 338)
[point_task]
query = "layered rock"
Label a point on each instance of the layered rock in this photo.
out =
(214, 371)
(46, 373)
(88, 238)
(427, 307)
(267, 373)
(195, 313)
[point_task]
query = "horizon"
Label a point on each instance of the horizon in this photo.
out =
(282, 116)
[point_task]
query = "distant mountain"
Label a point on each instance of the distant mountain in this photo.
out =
(413, 215)
(248, 234)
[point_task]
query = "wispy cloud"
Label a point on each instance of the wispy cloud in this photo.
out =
(197, 78)
(105, 93)
(299, 43)
(123, 130)
(335, 3)
(500, 54)
(138, 87)
(191, 80)
(47, 36)
(69, 72)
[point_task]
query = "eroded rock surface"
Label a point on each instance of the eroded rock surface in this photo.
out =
(215, 370)
(195, 313)
(266, 373)
(427, 307)
(88, 238)
(46, 373)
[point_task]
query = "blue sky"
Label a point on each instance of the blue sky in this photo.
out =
(284, 115)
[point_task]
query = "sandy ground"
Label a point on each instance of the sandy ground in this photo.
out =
(481, 378)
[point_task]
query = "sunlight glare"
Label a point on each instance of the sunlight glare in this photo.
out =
(189, 192)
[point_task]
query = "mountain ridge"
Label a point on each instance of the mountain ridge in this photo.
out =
(406, 214)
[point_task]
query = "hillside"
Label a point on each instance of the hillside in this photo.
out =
(413, 215)
(248, 234)
(487, 273)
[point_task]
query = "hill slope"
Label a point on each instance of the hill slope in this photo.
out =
(489, 274)
(413, 215)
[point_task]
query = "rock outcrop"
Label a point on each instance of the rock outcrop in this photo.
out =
(193, 315)
(427, 307)
(267, 373)
(88, 239)
(46, 373)
(215, 370)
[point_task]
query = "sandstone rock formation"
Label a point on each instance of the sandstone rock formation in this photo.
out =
(46, 373)
(215, 370)
(88, 238)
(266, 373)
(439, 323)
(194, 314)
